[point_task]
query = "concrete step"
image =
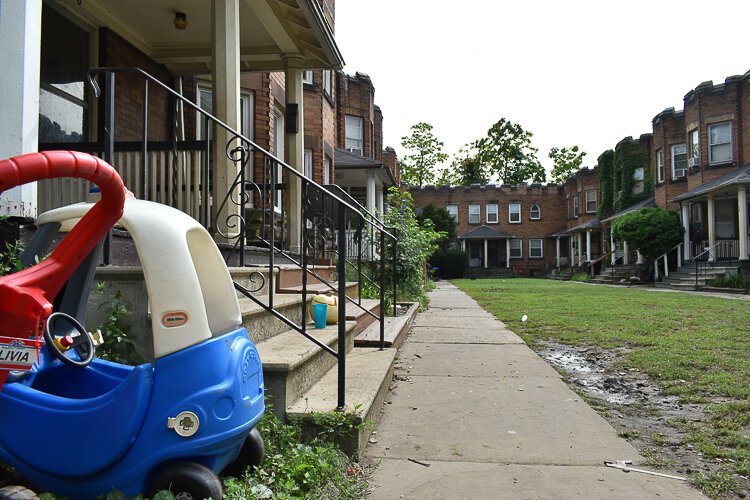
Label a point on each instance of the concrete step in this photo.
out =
(291, 275)
(262, 325)
(360, 314)
(369, 372)
(395, 330)
(292, 363)
(254, 279)
(352, 289)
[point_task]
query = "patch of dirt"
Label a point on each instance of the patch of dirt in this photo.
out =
(654, 423)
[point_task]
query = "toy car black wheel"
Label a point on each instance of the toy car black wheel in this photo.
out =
(17, 493)
(251, 454)
(188, 481)
(59, 326)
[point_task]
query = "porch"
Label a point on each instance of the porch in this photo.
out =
(487, 247)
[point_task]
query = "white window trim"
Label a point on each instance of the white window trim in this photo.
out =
(595, 201)
(660, 165)
(478, 214)
(520, 249)
(327, 78)
(711, 161)
(326, 170)
(694, 146)
(576, 210)
(349, 141)
(307, 76)
(308, 161)
(541, 248)
(278, 150)
(675, 175)
(538, 210)
(495, 213)
(455, 214)
(511, 212)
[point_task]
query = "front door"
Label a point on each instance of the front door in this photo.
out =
(493, 253)
(475, 253)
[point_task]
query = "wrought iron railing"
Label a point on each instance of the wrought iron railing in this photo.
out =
(259, 206)
(708, 259)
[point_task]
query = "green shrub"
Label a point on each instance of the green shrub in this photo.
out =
(584, 277)
(450, 264)
(729, 281)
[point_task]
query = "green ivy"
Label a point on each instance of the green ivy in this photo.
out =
(630, 154)
(605, 171)
(117, 345)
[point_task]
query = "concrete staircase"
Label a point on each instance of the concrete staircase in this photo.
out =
(615, 276)
(684, 278)
(302, 378)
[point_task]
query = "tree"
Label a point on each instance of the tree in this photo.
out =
(467, 168)
(507, 152)
(567, 162)
(424, 153)
(442, 222)
(653, 231)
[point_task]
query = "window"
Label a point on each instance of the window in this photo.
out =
(326, 170)
(535, 249)
(277, 149)
(660, 166)
(474, 217)
(695, 149)
(452, 209)
(354, 136)
(697, 213)
(591, 201)
(514, 213)
(536, 212)
(679, 161)
(63, 94)
(638, 180)
(516, 249)
(327, 81)
(492, 213)
(309, 163)
(575, 207)
(307, 77)
(720, 142)
(205, 100)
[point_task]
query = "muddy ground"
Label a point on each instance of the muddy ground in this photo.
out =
(653, 422)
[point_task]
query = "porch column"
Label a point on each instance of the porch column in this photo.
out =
(588, 245)
(507, 253)
(226, 93)
(579, 238)
(612, 247)
(640, 258)
(379, 199)
(463, 245)
(711, 229)
(295, 147)
(557, 253)
(485, 254)
(742, 220)
(625, 253)
(371, 192)
(686, 234)
(20, 39)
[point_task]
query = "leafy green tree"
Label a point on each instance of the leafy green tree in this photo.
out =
(567, 161)
(424, 153)
(467, 169)
(441, 222)
(507, 152)
(653, 231)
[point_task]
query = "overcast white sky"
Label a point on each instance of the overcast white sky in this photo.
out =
(571, 72)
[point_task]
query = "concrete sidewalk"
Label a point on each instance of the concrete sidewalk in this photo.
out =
(475, 413)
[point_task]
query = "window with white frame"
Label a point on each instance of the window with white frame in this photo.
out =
(307, 76)
(591, 201)
(354, 134)
(474, 214)
(277, 149)
(516, 248)
(205, 101)
(452, 209)
(720, 142)
(575, 207)
(308, 163)
(679, 160)
(535, 213)
(638, 180)
(327, 81)
(514, 213)
(695, 149)
(326, 170)
(660, 165)
(535, 249)
(492, 213)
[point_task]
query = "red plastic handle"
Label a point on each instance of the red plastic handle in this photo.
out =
(25, 297)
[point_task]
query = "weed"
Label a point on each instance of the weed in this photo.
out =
(630, 434)
(117, 345)
(583, 277)
(658, 439)
(713, 484)
(655, 460)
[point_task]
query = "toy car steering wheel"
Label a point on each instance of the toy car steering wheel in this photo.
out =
(82, 343)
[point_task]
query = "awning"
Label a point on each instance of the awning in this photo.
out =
(592, 224)
(738, 177)
(647, 203)
(352, 169)
(485, 233)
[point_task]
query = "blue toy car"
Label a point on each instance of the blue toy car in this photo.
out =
(81, 426)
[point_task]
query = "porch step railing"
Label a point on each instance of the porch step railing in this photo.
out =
(257, 208)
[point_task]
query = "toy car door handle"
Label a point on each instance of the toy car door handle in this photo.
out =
(185, 424)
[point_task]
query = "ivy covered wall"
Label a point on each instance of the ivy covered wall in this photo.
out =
(604, 169)
(625, 175)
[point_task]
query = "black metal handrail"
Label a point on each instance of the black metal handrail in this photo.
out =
(705, 260)
(254, 210)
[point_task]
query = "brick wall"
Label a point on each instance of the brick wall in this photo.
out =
(576, 186)
(668, 130)
(549, 199)
(356, 97)
(391, 160)
(116, 51)
(320, 124)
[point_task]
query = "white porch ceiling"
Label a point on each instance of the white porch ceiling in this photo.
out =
(270, 30)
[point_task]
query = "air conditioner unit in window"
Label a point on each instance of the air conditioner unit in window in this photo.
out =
(694, 162)
(356, 151)
(679, 172)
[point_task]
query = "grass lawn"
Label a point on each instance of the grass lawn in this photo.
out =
(694, 347)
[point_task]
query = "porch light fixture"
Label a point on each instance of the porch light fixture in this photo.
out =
(180, 20)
